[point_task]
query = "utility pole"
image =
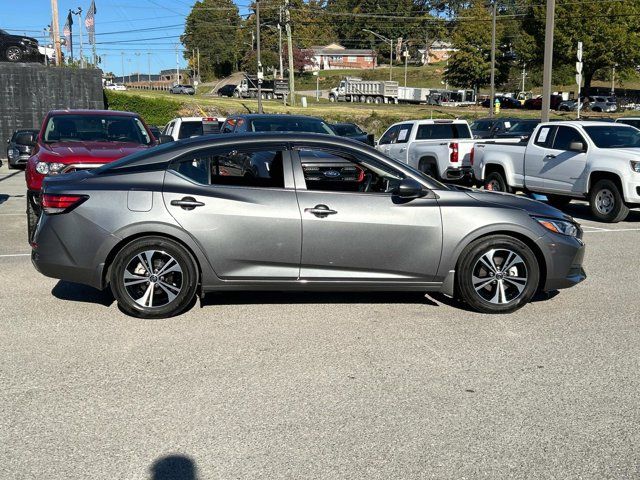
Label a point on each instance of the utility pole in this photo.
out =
(547, 68)
(198, 64)
(56, 32)
(524, 75)
(579, 75)
(138, 66)
(149, 67)
(258, 57)
(613, 79)
(384, 39)
(280, 42)
(122, 58)
(292, 86)
(177, 67)
(493, 58)
(406, 61)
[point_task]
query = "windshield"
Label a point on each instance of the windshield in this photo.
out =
(482, 125)
(523, 127)
(614, 137)
(288, 124)
(347, 130)
(95, 128)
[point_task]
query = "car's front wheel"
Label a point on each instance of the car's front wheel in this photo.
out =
(607, 203)
(153, 277)
(13, 54)
(497, 274)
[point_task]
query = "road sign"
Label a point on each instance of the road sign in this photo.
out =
(579, 78)
(579, 67)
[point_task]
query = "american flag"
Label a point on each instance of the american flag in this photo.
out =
(90, 23)
(66, 30)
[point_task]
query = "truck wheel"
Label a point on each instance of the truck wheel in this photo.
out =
(269, 96)
(153, 277)
(13, 54)
(33, 214)
(606, 202)
(497, 274)
(558, 201)
(496, 183)
(236, 94)
(369, 100)
(332, 98)
(378, 100)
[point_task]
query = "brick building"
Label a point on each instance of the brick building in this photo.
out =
(335, 57)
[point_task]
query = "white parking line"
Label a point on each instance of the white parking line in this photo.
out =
(10, 214)
(606, 230)
(16, 255)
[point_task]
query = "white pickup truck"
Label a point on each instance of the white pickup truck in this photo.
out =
(598, 161)
(442, 149)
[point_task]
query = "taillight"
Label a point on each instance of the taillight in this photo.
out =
(53, 204)
(454, 152)
(472, 154)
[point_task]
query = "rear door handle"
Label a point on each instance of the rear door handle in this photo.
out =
(320, 211)
(549, 156)
(402, 149)
(187, 203)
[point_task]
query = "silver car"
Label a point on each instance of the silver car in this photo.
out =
(191, 217)
(183, 89)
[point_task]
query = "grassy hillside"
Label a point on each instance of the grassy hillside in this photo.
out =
(373, 118)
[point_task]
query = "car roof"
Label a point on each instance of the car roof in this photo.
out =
(94, 112)
(252, 116)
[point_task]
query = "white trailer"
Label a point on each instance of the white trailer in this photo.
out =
(352, 89)
(413, 95)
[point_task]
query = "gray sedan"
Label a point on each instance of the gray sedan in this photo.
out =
(191, 217)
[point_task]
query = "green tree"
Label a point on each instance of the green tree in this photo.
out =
(213, 27)
(609, 31)
(470, 65)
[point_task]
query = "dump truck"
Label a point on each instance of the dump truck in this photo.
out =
(353, 89)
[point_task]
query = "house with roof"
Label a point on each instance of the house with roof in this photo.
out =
(334, 57)
(438, 52)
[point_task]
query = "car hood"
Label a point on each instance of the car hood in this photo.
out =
(88, 152)
(533, 207)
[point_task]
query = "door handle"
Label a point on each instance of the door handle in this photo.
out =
(550, 156)
(320, 211)
(187, 203)
(402, 149)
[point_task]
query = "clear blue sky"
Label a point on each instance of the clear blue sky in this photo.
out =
(129, 26)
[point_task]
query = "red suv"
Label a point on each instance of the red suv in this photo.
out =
(71, 140)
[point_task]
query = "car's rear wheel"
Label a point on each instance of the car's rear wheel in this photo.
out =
(497, 274)
(13, 54)
(558, 201)
(153, 277)
(495, 182)
(607, 203)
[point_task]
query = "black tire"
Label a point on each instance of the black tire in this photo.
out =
(494, 181)
(33, 214)
(332, 98)
(558, 201)
(606, 202)
(596, 109)
(378, 100)
(133, 259)
(13, 54)
(481, 288)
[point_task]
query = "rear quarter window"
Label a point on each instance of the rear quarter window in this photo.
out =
(444, 131)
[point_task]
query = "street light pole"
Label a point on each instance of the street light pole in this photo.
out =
(384, 39)
(122, 59)
(547, 68)
(149, 67)
(280, 43)
(258, 56)
(138, 66)
(493, 58)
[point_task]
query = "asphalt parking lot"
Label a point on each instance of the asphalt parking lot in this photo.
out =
(279, 385)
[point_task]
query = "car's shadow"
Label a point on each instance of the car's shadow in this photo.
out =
(276, 298)
(76, 292)
(582, 211)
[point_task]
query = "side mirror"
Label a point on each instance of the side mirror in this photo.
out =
(409, 188)
(576, 147)
(165, 139)
(26, 138)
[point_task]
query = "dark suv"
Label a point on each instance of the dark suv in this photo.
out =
(20, 147)
(16, 48)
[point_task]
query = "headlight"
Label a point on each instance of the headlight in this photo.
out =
(635, 166)
(559, 226)
(12, 153)
(42, 168)
(54, 168)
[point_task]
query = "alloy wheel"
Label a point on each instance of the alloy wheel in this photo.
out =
(153, 278)
(13, 54)
(499, 276)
